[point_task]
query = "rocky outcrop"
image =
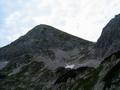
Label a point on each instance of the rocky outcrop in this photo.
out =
(109, 40)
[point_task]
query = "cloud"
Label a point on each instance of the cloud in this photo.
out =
(83, 18)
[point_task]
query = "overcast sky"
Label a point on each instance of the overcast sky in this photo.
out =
(83, 18)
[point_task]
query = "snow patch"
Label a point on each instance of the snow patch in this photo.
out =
(70, 66)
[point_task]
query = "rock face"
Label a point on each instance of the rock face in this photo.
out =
(109, 40)
(49, 59)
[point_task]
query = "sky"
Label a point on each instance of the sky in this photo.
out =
(82, 18)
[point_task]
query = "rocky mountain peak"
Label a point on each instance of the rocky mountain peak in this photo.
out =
(43, 31)
(40, 39)
(42, 27)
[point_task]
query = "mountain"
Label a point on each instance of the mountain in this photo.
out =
(47, 44)
(42, 37)
(49, 59)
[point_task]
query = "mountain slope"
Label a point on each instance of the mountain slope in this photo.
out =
(36, 75)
